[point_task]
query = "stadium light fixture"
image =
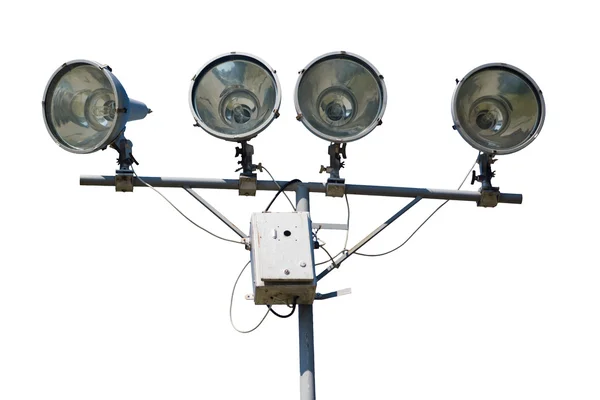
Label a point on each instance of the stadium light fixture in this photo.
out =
(86, 107)
(340, 97)
(498, 109)
(235, 96)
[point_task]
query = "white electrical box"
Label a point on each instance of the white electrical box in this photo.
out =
(281, 251)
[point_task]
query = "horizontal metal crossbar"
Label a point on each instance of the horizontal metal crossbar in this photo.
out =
(314, 187)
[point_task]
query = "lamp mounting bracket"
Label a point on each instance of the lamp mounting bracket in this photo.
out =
(124, 175)
(489, 193)
(247, 176)
(335, 186)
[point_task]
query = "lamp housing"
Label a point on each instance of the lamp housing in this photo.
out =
(340, 97)
(85, 107)
(498, 109)
(235, 96)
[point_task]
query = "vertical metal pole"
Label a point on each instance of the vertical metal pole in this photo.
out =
(305, 324)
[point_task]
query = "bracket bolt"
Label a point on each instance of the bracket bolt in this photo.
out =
(302, 264)
(287, 271)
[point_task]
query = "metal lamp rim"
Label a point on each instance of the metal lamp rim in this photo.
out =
(360, 60)
(121, 102)
(240, 137)
(512, 69)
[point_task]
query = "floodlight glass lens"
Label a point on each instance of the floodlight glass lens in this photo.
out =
(239, 107)
(498, 109)
(234, 97)
(82, 107)
(340, 97)
(336, 106)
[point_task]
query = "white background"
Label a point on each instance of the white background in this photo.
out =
(108, 295)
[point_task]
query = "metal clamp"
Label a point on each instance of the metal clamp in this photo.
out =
(124, 175)
(490, 195)
(247, 176)
(335, 186)
(489, 198)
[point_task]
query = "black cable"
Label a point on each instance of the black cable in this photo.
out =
(287, 315)
(331, 258)
(281, 189)
(410, 237)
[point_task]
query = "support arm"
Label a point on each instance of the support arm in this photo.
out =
(217, 214)
(370, 236)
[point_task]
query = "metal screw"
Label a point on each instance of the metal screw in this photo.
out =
(287, 271)
(302, 264)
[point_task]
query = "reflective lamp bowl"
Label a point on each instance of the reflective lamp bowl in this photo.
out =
(340, 97)
(498, 109)
(235, 96)
(86, 107)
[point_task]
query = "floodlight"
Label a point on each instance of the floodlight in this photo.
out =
(86, 107)
(340, 97)
(235, 96)
(498, 109)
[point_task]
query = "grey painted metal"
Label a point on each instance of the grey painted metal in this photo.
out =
(440, 194)
(315, 187)
(330, 295)
(324, 225)
(305, 322)
(370, 236)
(194, 183)
(307, 352)
(217, 214)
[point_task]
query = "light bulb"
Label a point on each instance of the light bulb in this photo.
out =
(100, 109)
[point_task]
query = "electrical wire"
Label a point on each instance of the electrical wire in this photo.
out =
(277, 184)
(281, 189)
(423, 223)
(231, 305)
(347, 225)
(286, 315)
(180, 212)
(403, 243)
(345, 241)
(330, 257)
(328, 260)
